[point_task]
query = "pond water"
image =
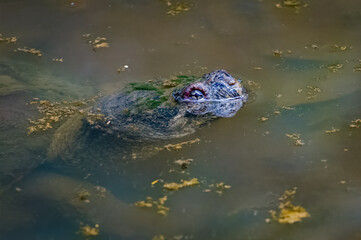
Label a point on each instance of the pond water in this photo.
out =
(301, 61)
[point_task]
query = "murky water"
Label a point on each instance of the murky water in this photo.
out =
(302, 65)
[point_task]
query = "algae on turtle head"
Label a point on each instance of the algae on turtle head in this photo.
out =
(157, 110)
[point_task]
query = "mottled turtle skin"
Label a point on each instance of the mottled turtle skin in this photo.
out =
(216, 94)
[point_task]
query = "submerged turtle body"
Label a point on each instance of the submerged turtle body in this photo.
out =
(156, 110)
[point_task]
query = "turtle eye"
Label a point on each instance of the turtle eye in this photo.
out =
(196, 94)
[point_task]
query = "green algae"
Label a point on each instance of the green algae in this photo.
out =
(154, 103)
(143, 86)
(163, 89)
(160, 86)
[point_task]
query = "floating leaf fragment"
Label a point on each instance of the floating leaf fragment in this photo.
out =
(337, 47)
(288, 108)
(101, 45)
(253, 84)
(299, 142)
(312, 92)
(332, 130)
(291, 3)
(84, 195)
(277, 53)
(101, 191)
(178, 146)
(183, 163)
(263, 119)
(98, 42)
(177, 8)
(296, 139)
(143, 204)
(7, 39)
(30, 50)
(219, 188)
(155, 181)
(90, 231)
(58, 60)
(157, 205)
(277, 112)
(355, 123)
(335, 67)
(123, 68)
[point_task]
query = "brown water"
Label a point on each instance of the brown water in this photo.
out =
(255, 158)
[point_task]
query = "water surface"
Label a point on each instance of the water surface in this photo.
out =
(39, 198)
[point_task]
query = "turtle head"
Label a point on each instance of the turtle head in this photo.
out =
(217, 93)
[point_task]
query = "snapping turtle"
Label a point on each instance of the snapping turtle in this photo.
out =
(156, 110)
(152, 111)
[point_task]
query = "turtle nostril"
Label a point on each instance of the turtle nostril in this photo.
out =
(230, 81)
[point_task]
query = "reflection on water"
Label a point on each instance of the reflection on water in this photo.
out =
(301, 63)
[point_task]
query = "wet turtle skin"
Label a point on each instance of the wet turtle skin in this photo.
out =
(216, 94)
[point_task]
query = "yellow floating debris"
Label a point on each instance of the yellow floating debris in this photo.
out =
(218, 188)
(90, 231)
(332, 130)
(158, 205)
(335, 67)
(293, 136)
(158, 237)
(53, 112)
(296, 138)
(101, 45)
(143, 204)
(184, 183)
(101, 191)
(253, 84)
(341, 48)
(355, 123)
(155, 181)
(29, 50)
(277, 53)
(178, 146)
(288, 108)
(123, 68)
(98, 42)
(183, 162)
(288, 213)
(7, 39)
(177, 8)
(291, 3)
(84, 195)
(263, 119)
(58, 60)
